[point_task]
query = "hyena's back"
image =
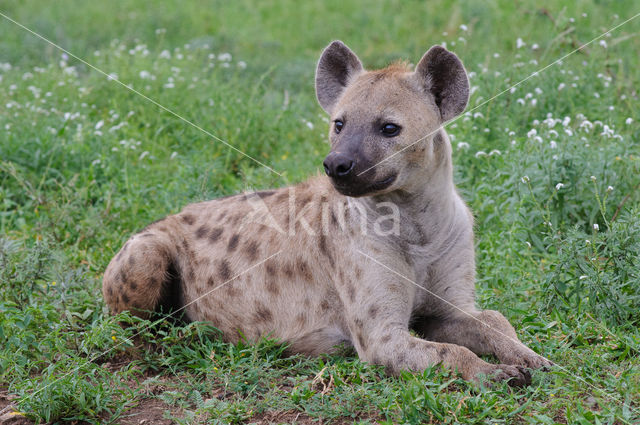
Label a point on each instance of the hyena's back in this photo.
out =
(211, 258)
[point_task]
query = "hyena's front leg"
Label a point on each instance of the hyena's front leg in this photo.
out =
(378, 309)
(483, 332)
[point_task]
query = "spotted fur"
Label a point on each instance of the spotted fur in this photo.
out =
(334, 276)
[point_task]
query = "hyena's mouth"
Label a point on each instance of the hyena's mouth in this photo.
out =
(358, 188)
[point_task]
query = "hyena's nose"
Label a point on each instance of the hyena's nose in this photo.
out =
(338, 165)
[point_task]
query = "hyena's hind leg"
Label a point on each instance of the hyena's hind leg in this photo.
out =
(143, 276)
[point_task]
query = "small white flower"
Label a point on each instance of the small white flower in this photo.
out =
(528, 244)
(495, 152)
(99, 124)
(628, 121)
(145, 75)
(242, 64)
(532, 133)
(143, 155)
(603, 43)
(165, 54)
(561, 86)
(596, 227)
(173, 155)
(593, 178)
(480, 153)
(525, 179)
(609, 189)
(519, 43)
(463, 27)
(559, 186)
(587, 242)
(463, 145)
(553, 144)
(583, 277)
(535, 46)
(224, 57)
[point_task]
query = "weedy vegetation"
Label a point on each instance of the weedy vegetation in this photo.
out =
(550, 168)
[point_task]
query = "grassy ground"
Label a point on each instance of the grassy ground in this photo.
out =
(551, 171)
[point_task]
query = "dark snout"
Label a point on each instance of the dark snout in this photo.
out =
(353, 175)
(338, 165)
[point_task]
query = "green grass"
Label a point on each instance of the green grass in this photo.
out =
(84, 163)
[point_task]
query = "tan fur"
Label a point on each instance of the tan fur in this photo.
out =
(335, 279)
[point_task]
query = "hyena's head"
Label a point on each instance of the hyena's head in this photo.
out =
(378, 116)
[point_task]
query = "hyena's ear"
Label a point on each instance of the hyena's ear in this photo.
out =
(336, 67)
(442, 74)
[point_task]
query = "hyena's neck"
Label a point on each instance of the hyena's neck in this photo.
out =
(430, 205)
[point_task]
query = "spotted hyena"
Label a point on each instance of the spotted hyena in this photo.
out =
(380, 246)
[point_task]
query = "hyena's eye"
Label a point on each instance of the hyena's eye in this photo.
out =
(338, 125)
(390, 130)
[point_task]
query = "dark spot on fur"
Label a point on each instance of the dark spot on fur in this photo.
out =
(324, 306)
(224, 270)
(288, 270)
(301, 319)
(110, 291)
(201, 232)
(133, 285)
(272, 286)
(262, 314)
(163, 229)
(125, 298)
(361, 341)
(385, 338)
(443, 351)
(305, 270)
(251, 249)
(271, 269)
(324, 250)
(358, 273)
(266, 193)
(222, 215)
(211, 282)
(188, 219)
(233, 242)
(132, 261)
(401, 357)
(334, 220)
(413, 345)
(215, 234)
(373, 311)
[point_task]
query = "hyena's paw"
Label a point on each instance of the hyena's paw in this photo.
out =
(515, 376)
(528, 358)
